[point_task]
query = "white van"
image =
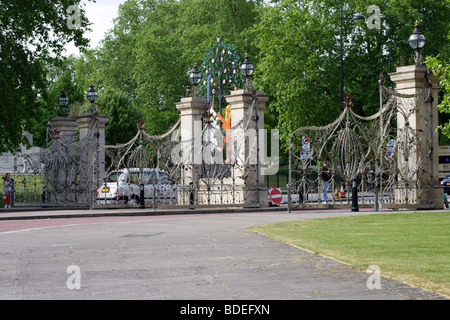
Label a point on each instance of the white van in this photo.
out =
(122, 187)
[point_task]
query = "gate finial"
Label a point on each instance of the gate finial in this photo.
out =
(348, 100)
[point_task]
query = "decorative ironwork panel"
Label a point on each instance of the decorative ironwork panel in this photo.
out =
(386, 156)
(211, 169)
(61, 175)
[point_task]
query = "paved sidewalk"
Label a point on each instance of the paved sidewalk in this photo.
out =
(184, 257)
(24, 213)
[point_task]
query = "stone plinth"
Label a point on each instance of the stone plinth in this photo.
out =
(67, 127)
(244, 184)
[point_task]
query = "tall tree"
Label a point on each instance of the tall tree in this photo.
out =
(299, 42)
(154, 44)
(31, 33)
(60, 74)
(118, 106)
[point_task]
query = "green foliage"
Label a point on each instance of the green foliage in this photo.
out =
(31, 33)
(121, 126)
(295, 48)
(154, 44)
(299, 44)
(442, 69)
(60, 75)
(143, 61)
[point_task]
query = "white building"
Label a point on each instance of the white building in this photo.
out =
(7, 159)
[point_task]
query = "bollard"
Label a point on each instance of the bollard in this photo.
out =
(354, 196)
(154, 198)
(142, 197)
(191, 193)
(375, 203)
(289, 197)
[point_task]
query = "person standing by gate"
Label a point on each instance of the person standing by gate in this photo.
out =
(8, 188)
(325, 175)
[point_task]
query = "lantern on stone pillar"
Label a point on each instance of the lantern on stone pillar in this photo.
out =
(417, 42)
(63, 102)
(194, 78)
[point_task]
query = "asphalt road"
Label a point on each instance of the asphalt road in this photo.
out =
(174, 257)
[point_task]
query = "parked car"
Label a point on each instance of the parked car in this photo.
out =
(446, 183)
(123, 187)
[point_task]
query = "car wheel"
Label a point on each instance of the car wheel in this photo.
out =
(122, 200)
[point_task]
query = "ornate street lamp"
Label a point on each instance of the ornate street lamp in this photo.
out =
(92, 96)
(355, 17)
(417, 42)
(194, 78)
(63, 102)
(247, 68)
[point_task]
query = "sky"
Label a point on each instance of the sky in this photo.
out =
(101, 15)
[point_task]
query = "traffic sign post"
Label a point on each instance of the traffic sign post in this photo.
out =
(276, 196)
(306, 144)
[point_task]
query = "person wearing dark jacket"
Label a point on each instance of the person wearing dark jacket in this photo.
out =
(325, 176)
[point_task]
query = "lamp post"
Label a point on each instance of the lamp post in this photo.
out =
(417, 42)
(194, 78)
(141, 169)
(92, 97)
(63, 102)
(247, 69)
(355, 17)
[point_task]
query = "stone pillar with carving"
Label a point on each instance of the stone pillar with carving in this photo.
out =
(418, 154)
(249, 153)
(188, 151)
(92, 140)
(65, 127)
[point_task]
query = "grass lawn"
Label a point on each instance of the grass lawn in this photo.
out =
(413, 248)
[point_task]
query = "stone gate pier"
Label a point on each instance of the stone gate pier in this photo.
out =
(418, 151)
(223, 167)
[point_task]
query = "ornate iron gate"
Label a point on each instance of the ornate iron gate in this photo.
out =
(62, 175)
(386, 157)
(212, 169)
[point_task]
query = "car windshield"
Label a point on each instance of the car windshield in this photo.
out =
(112, 177)
(150, 176)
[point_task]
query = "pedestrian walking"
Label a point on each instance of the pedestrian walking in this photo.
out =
(8, 188)
(325, 176)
